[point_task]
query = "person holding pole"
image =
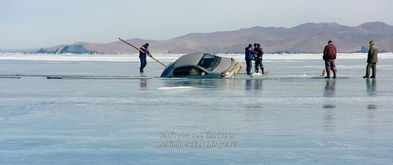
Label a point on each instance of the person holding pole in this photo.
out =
(146, 53)
(144, 50)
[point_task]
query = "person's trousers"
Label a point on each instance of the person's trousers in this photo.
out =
(372, 66)
(258, 64)
(330, 65)
(249, 66)
(143, 64)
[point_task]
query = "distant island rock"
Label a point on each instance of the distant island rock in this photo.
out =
(305, 38)
(75, 49)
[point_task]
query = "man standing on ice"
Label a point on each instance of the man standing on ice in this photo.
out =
(142, 56)
(249, 56)
(372, 60)
(258, 58)
(329, 55)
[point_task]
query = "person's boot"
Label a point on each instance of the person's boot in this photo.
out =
(365, 76)
(334, 74)
(327, 74)
(373, 76)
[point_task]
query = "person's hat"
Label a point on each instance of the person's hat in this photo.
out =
(330, 41)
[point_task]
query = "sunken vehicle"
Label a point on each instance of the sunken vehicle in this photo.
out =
(202, 65)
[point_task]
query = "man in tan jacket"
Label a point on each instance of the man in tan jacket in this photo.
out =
(372, 60)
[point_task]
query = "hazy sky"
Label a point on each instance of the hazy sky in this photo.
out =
(43, 23)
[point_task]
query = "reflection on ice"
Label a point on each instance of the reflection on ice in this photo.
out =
(330, 88)
(371, 106)
(255, 84)
(198, 83)
(329, 118)
(143, 84)
(371, 86)
(329, 106)
(330, 91)
(204, 83)
(173, 88)
(371, 117)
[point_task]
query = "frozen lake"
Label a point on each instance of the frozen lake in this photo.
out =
(284, 118)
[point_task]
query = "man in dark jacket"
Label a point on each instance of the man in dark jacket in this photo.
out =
(142, 56)
(372, 60)
(329, 55)
(258, 58)
(249, 56)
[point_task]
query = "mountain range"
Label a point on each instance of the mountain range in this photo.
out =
(305, 38)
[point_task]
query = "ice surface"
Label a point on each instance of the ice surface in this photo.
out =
(290, 58)
(284, 118)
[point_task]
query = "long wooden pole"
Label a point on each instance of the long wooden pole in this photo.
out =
(148, 54)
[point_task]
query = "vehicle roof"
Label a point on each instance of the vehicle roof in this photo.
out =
(189, 60)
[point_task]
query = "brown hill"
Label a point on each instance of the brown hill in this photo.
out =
(305, 38)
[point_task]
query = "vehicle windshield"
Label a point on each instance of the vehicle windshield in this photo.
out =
(209, 62)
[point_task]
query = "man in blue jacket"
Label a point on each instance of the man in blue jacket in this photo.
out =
(142, 56)
(249, 56)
